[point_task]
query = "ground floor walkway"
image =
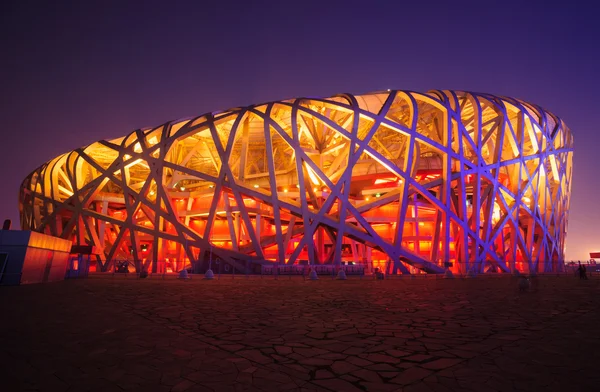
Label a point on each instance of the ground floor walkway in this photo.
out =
(481, 334)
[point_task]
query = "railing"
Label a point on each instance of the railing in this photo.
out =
(305, 269)
(275, 270)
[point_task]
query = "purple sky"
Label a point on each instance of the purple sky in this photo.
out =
(73, 74)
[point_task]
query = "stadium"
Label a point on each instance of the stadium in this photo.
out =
(405, 182)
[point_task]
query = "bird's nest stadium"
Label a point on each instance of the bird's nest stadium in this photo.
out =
(402, 181)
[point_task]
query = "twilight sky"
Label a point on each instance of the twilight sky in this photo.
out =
(72, 74)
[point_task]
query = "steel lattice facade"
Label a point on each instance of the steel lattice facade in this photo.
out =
(406, 181)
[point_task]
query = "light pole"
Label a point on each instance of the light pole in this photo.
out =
(209, 273)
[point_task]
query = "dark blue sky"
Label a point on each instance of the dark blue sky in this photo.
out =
(75, 73)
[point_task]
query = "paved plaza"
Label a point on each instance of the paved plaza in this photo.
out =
(481, 334)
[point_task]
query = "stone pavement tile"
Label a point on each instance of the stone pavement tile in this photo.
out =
(506, 336)
(280, 359)
(243, 378)
(441, 363)
(333, 356)
(322, 373)
(343, 367)
(240, 363)
(320, 343)
(50, 383)
(298, 369)
(203, 388)
(196, 363)
(296, 372)
(463, 353)
(350, 378)
(339, 334)
(295, 344)
(474, 381)
(146, 373)
(418, 387)
(416, 346)
(337, 384)
(382, 367)
(367, 375)
(284, 350)
(148, 388)
(115, 373)
(491, 343)
(405, 364)
(288, 387)
(379, 387)
(442, 354)
(418, 358)
(397, 353)
(129, 381)
(388, 375)
(249, 370)
(473, 385)
(278, 377)
(216, 377)
(449, 382)
(265, 383)
(379, 348)
(379, 358)
(255, 356)
(107, 388)
(41, 365)
(177, 353)
(182, 386)
(360, 362)
(206, 375)
(231, 347)
(500, 383)
(220, 387)
(435, 346)
(507, 365)
(438, 387)
(170, 380)
(411, 375)
(295, 356)
(354, 350)
(315, 361)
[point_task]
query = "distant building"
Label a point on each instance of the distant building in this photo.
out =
(30, 257)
